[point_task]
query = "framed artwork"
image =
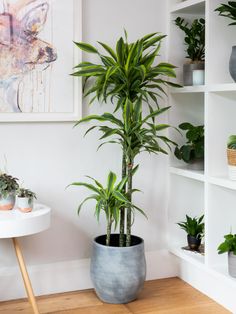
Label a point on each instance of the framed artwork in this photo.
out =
(37, 55)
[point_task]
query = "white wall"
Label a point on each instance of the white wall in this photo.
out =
(49, 156)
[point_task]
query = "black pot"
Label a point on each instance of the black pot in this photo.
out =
(193, 242)
(118, 273)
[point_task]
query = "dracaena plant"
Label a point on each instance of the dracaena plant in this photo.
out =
(131, 80)
(193, 226)
(109, 199)
(228, 10)
(194, 38)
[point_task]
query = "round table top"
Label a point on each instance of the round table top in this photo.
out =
(14, 223)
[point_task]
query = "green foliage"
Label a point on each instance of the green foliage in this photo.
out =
(194, 148)
(228, 10)
(194, 38)
(129, 77)
(109, 199)
(229, 245)
(26, 193)
(127, 71)
(8, 185)
(231, 144)
(193, 226)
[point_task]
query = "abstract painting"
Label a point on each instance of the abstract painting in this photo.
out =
(36, 58)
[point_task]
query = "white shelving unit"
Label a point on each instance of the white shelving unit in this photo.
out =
(211, 191)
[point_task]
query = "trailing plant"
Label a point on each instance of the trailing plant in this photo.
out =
(229, 245)
(129, 77)
(193, 226)
(228, 10)
(194, 147)
(109, 199)
(231, 144)
(194, 38)
(8, 185)
(26, 193)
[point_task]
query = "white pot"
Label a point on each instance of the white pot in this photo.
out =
(7, 203)
(24, 204)
(232, 172)
(232, 264)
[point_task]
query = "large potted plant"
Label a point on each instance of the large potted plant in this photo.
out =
(195, 42)
(229, 246)
(8, 188)
(128, 78)
(192, 153)
(229, 11)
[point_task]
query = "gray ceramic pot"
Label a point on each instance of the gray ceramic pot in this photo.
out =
(197, 164)
(232, 264)
(232, 63)
(118, 273)
(188, 72)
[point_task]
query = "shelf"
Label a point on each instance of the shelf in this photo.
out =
(189, 7)
(230, 87)
(192, 257)
(223, 181)
(192, 174)
(222, 272)
(188, 89)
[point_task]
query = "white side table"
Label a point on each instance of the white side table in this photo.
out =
(15, 224)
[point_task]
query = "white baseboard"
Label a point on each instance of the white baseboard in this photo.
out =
(210, 283)
(73, 275)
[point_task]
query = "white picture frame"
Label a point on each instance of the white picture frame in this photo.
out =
(76, 113)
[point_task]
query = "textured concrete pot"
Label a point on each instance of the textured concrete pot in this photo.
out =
(188, 72)
(118, 273)
(7, 203)
(232, 63)
(232, 264)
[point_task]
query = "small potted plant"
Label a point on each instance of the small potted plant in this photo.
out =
(194, 228)
(229, 11)
(114, 281)
(229, 246)
(231, 155)
(192, 153)
(195, 42)
(8, 187)
(25, 200)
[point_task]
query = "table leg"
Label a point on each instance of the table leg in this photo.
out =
(28, 286)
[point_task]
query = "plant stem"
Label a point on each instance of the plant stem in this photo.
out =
(122, 210)
(108, 237)
(129, 196)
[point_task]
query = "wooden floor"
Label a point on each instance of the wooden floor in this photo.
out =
(171, 296)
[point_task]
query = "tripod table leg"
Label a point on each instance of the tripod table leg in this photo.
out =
(25, 276)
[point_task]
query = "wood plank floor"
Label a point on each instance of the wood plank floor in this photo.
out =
(172, 296)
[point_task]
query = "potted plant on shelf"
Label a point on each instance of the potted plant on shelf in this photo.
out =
(195, 42)
(229, 246)
(8, 187)
(192, 153)
(110, 199)
(229, 10)
(128, 78)
(194, 227)
(25, 200)
(231, 155)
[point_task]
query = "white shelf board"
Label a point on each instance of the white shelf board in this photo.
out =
(229, 87)
(222, 272)
(192, 257)
(192, 174)
(189, 7)
(188, 89)
(223, 181)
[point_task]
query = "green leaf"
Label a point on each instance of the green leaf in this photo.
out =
(86, 47)
(109, 50)
(111, 181)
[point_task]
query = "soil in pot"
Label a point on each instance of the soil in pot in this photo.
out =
(118, 273)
